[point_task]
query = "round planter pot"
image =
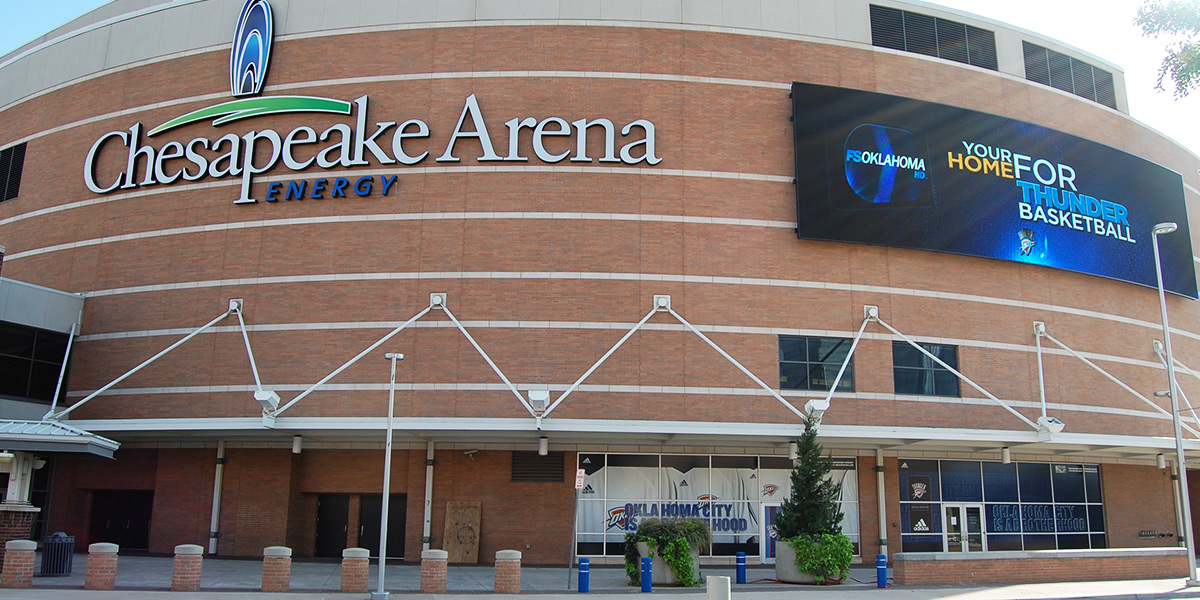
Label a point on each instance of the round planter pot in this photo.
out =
(785, 565)
(662, 572)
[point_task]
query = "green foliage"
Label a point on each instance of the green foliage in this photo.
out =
(827, 556)
(673, 540)
(812, 507)
(1179, 19)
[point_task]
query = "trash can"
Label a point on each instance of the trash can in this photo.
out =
(58, 551)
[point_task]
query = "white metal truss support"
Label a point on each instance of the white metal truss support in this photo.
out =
(1113, 379)
(1158, 349)
(971, 383)
(268, 417)
(512, 388)
(1039, 327)
(249, 352)
(871, 312)
(595, 366)
(737, 364)
(233, 306)
(62, 371)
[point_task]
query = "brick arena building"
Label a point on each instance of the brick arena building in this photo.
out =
(615, 237)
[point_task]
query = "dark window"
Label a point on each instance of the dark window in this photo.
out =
(12, 162)
(530, 466)
(932, 36)
(30, 361)
(916, 373)
(1060, 71)
(812, 363)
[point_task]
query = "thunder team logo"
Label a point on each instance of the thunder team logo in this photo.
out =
(251, 51)
(885, 166)
(1027, 241)
(919, 490)
(770, 489)
(617, 518)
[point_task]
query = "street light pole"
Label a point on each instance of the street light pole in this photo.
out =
(1185, 502)
(381, 594)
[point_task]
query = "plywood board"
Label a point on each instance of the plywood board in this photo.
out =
(462, 532)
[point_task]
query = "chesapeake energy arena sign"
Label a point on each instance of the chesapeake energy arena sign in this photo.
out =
(343, 145)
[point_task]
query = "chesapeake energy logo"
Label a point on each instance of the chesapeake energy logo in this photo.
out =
(340, 146)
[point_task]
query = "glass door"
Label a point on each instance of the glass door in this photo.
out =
(963, 524)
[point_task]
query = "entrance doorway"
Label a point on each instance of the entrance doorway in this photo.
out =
(963, 524)
(333, 520)
(122, 517)
(370, 517)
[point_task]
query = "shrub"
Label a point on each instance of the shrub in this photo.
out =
(674, 541)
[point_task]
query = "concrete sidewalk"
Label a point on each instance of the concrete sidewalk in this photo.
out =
(149, 577)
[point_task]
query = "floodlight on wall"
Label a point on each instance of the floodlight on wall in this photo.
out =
(1160, 461)
(1005, 455)
(297, 440)
(793, 451)
(1050, 424)
(543, 446)
(6, 456)
(268, 399)
(816, 408)
(38, 463)
(539, 400)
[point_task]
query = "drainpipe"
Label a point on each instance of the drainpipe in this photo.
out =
(883, 545)
(216, 504)
(425, 539)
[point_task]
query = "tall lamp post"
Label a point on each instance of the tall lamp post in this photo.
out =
(1185, 502)
(382, 594)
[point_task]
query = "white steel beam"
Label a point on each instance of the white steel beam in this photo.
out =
(943, 364)
(512, 388)
(1113, 379)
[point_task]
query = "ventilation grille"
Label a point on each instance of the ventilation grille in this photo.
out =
(529, 466)
(1060, 71)
(931, 36)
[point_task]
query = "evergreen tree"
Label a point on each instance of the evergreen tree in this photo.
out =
(812, 507)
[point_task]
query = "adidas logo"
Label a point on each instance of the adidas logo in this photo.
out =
(587, 489)
(920, 525)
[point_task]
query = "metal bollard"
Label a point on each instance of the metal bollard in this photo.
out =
(585, 575)
(647, 575)
(741, 567)
(881, 570)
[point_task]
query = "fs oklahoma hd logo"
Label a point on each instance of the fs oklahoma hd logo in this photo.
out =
(342, 145)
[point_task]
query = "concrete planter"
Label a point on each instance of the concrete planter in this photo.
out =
(785, 565)
(662, 572)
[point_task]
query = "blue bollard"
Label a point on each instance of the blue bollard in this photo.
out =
(585, 575)
(881, 570)
(741, 567)
(647, 575)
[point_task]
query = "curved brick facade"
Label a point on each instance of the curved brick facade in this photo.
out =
(545, 264)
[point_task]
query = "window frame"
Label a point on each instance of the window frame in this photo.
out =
(932, 368)
(845, 385)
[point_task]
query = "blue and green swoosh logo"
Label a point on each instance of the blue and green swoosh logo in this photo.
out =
(236, 110)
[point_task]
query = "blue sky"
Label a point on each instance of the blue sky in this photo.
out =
(1102, 27)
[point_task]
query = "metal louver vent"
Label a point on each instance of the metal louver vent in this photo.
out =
(530, 467)
(931, 36)
(1060, 71)
(12, 162)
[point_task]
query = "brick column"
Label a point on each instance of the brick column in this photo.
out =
(355, 569)
(189, 561)
(508, 572)
(101, 567)
(277, 569)
(18, 564)
(16, 523)
(433, 571)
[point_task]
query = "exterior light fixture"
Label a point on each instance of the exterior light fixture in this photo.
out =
(1005, 455)
(383, 594)
(793, 451)
(1160, 461)
(1173, 387)
(543, 446)
(296, 441)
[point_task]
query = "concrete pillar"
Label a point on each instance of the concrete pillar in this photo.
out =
(508, 572)
(101, 567)
(277, 569)
(433, 571)
(18, 564)
(189, 561)
(355, 569)
(717, 587)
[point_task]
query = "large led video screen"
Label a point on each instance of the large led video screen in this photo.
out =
(879, 169)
